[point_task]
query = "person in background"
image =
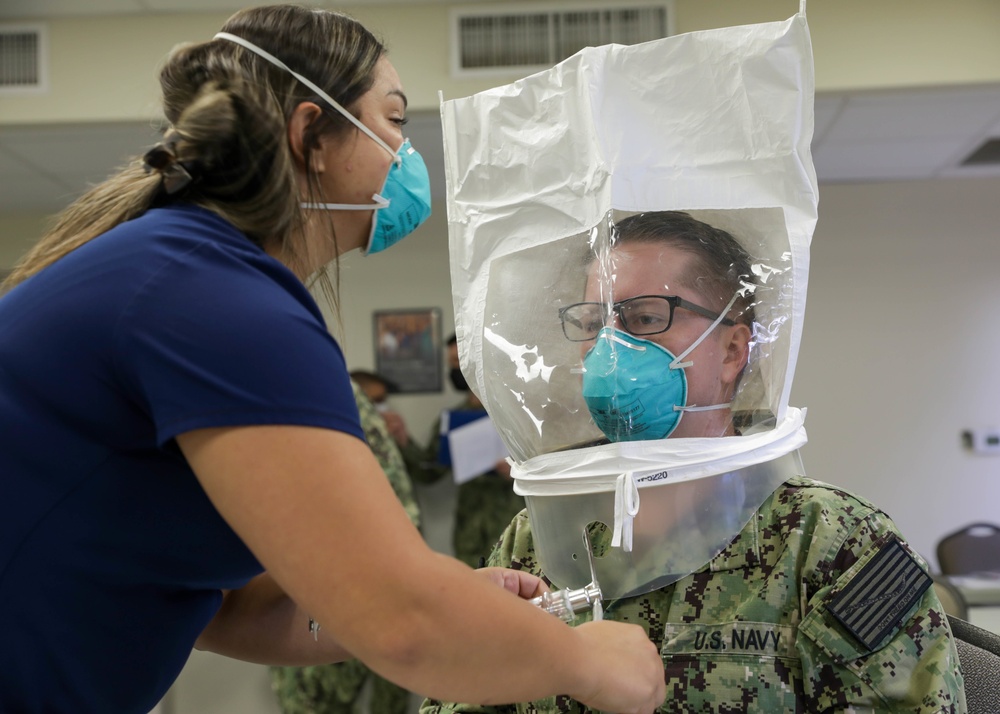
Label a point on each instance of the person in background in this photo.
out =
(484, 505)
(338, 688)
(376, 387)
(183, 463)
(758, 628)
(380, 424)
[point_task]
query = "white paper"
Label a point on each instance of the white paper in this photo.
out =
(475, 449)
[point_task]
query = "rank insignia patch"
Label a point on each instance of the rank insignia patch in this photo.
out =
(880, 594)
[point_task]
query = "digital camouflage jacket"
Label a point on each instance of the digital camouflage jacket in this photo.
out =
(816, 606)
(390, 458)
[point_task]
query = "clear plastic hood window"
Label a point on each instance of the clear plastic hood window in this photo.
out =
(536, 369)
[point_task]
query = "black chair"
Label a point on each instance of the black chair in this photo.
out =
(952, 599)
(979, 655)
(973, 549)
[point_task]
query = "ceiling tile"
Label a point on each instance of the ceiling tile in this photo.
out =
(915, 115)
(57, 151)
(33, 194)
(74, 157)
(826, 110)
(12, 166)
(27, 9)
(886, 160)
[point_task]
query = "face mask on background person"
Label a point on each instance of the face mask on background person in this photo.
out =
(405, 199)
(458, 380)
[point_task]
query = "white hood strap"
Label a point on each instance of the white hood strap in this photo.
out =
(626, 508)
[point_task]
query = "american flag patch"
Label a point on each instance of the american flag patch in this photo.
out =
(881, 593)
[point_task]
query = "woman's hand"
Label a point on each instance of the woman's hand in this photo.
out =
(628, 674)
(624, 671)
(522, 584)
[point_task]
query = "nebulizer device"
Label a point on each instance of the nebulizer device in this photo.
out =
(566, 604)
(568, 193)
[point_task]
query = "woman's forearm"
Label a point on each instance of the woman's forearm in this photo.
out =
(260, 623)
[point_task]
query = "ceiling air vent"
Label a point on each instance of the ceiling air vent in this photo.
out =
(988, 154)
(23, 49)
(524, 38)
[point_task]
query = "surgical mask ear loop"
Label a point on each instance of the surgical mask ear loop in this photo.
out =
(379, 202)
(397, 159)
(677, 364)
(626, 509)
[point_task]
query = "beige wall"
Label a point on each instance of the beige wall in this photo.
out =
(413, 274)
(875, 44)
(899, 349)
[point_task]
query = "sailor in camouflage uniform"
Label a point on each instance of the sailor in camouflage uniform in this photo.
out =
(815, 603)
(658, 422)
(758, 628)
(336, 688)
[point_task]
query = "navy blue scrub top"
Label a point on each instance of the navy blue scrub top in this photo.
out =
(112, 558)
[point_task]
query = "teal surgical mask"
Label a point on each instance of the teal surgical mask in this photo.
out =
(402, 205)
(405, 200)
(631, 387)
(635, 389)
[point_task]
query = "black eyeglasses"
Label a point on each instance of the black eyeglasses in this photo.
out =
(639, 316)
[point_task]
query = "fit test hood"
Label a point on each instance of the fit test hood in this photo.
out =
(717, 124)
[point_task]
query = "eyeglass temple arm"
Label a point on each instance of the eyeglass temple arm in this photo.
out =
(681, 302)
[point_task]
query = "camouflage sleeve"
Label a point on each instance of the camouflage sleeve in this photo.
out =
(515, 548)
(322, 689)
(431, 706)
(387, 453)
(874, 636)
(421, 461)
(484, 507)
(421, 464)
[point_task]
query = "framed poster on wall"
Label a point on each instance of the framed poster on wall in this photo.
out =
(408, 348)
